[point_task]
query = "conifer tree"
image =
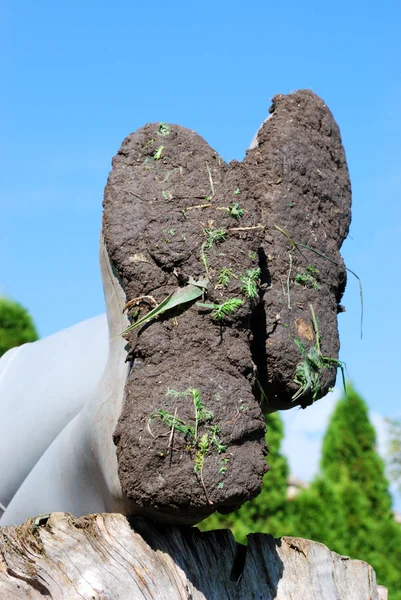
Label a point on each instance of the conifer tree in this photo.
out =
(16, 325)
(316, 514)
(349, 453)
(348, 506)
(266, 512)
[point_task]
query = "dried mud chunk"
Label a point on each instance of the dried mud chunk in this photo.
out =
(227, 230)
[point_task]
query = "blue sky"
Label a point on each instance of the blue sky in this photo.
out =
(79, 76)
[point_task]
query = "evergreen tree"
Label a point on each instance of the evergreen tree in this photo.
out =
(316, 514)
(266, 512)
(349, 452)
(348, 506)
(16, 325)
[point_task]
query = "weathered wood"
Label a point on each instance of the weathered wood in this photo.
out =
(105, 556)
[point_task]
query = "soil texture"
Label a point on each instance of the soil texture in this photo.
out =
(190, 439)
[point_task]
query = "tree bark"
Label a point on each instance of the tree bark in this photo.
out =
(107, 556)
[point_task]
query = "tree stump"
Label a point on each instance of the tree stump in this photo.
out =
(107, 556)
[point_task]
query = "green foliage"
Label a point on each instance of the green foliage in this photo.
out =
(163, 129)
(220, 311)
(349, 452)
(250, 283)
(203, 448)
(158, 153)
(307, 278)
(267, 512)
(214, 236)
(295, 244)
(225, 276)
(173, 421)
(338, 516)
(316, 513)
(214, 431)
(307, 374)
(235, 211)
(227, 308)
(348, 506)
(180, 297)
(198, 447)
(311, 270)
(16, 325)
(309, 369)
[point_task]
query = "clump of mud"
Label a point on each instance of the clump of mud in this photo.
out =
(190, 439)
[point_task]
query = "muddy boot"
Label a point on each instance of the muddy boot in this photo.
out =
(190, 438)
(229, 312)
(300, 180)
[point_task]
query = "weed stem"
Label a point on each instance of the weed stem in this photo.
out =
(288, 282)
(298, 245)
(210, 178)
(246, 228)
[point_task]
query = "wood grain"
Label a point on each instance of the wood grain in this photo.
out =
(108, 557)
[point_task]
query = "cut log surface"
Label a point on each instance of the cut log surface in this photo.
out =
(108, 557)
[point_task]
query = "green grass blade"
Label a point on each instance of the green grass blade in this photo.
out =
(181, 296)
(298, 245)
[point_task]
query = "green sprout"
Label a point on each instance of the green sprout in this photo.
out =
(214, 236)
(173, 421)
(163, 129)
(197, 446)
(223, 470)
(215, 440)
(234, 210)
(201, 413)
(225, 276)
(158, 153)
(204, 260)
(308, 371)
(227, 308)
(224, 462)
(298, 245)
(237, 191)
(307, 278)
(250, 283)
(199, 459)
(220, 311)
(312, 270)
